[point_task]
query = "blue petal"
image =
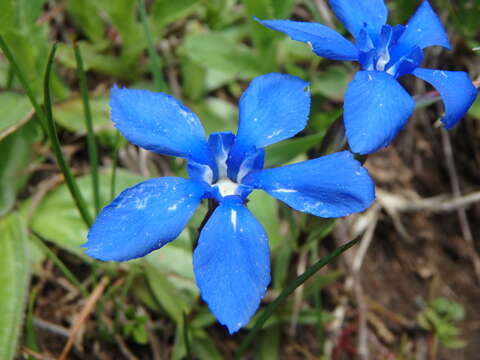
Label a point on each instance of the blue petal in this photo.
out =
(143, 218)
(355, 13)
(232, 263)
(323, 40)
(160, 123)
(331, 186)
(273, 108)
(424, 29)
(376, 108)
(457, 91)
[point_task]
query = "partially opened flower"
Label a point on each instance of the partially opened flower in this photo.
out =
(376, 105)
(231, 261)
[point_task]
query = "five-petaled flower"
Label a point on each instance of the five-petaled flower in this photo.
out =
(231, 261)
(376, 105)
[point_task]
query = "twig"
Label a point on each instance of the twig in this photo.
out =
(83, 316)
(50, 327)
(36, 355)
(436, 204)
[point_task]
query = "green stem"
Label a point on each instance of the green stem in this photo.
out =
(91, 142)
(52, 132)
(270, 309)
(155, 62)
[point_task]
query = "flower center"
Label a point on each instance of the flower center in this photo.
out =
(227, 187)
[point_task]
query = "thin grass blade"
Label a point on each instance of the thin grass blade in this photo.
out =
(52, 133)
(91, 142)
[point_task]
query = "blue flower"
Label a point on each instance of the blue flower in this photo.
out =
(376, 106)
(231, 261)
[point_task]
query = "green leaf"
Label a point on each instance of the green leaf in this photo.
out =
(285, 151)
(164, 12)
(14, 280)
(331, 83)
(174, 302)
(217, 51)
(475, 109)
(7, 15)
(15, 108)
(16, 155)
(175, 261)
(94, 59)
(70, 115)
(123, 15)
(57, 219)
(216, 114)
(265, 209)
(86, 15)
(283, 8)
(29, 11)
(193, 76)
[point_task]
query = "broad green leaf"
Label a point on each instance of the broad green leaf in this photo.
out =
(7, 15)
(265, 209)
(475, 109)
(57, 219)
(15, 108)
(164, 12)
(16, 155)
(14, 280)
(123, 15)
(28, 11)
(96, 60)
(173, 301)
(86, 15)
(285, 151)
(283, 8)
(331, 83)
(216, 115)
(193, 76)
(174, 260)
(204, 347)
(216, 51)
(70, 115)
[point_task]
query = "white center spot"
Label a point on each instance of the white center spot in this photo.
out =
(285, 190)
(227, 187)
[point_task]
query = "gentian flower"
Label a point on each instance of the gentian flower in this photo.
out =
(231, 261)
(376, 106)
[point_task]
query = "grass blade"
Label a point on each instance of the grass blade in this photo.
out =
(52, 133)
(155, 62)
(91, 142)
(270, 309)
